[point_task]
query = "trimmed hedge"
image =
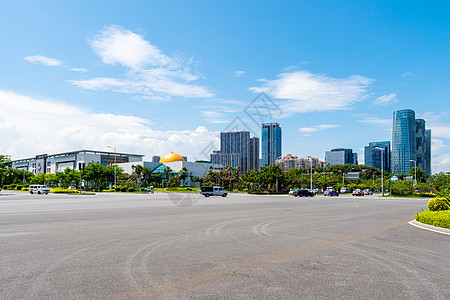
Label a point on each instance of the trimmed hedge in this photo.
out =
(63, 191)
(435, 218)
(438, 204)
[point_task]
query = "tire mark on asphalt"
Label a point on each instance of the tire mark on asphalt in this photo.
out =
(38, 283)
(149, 248)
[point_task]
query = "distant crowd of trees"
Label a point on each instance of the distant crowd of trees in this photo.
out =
(271, 178)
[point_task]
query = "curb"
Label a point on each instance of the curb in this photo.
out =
(430, 227)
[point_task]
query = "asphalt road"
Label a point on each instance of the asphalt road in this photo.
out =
(130, 246)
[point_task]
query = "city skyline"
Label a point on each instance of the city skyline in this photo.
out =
(152, 78)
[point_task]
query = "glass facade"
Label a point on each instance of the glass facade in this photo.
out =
(237, 149)
(270, 143)
(403, 141)
(428, 151)
(420, 144)
(340, 156)
(377, 152)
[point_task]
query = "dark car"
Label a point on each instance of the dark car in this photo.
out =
(303, 193)
(332, 193)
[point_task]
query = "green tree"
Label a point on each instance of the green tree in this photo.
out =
(5, 164)
(421, 175)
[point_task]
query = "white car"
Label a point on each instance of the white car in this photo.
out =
(367, 192)
(39, 189)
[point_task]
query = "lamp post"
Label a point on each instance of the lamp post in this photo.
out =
(115, 164)
(311, 171)
(415, 171)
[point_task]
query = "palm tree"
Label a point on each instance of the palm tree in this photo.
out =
(167, 171)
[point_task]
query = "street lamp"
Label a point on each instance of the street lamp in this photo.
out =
(311, 171)
(115, 164)
(415, 171)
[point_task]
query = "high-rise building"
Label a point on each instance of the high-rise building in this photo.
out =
(420, 144)
(270, 143)
(237, 149)
(253, 152)
(156, 158)
(428, 151)
(378, 155)
(340, 156)
(403, 141)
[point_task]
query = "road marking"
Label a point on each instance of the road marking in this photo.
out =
(9, 234)
(425, 226)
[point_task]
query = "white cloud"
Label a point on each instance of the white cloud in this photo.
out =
(385, 99)
(439, 130)
(31, 126)
(440, 160)
(375, 120)
(440, 163)
(303, 91)
(116, 45)
(317, 128)
(39, 59)
(407, 74)
(215, 117)
(82, 70)
(152, 74)
(239, 73)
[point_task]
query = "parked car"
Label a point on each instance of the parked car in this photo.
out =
(71, 188)
(345, 189)
(292, 192)
(358, 192)
(38, 189)
(330, 192)
(367, 192)
(304, 193)
(213, 191)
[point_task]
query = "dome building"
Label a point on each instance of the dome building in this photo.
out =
(171, 157)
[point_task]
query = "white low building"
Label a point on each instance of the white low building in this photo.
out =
(53, 163)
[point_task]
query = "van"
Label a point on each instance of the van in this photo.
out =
(212, 191)
(39, 189)
(345, 189)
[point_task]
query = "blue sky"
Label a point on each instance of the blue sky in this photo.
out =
(153, 77)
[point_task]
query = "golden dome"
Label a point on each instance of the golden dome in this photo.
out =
(170, 157)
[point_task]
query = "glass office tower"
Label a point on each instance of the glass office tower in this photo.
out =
(237, 149)
(428, 151)
(378, 154)
(421, 145)
(403, 141)
(271, 143)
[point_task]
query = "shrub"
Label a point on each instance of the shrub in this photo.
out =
(425, 195)
(64, 191)
(117, 189)
(439, 203)
(435, 218)
(25, 189)
(19, 187)
(109, 190)
(12, 186)
(123, 189)
(402, 188)
(131, 189)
